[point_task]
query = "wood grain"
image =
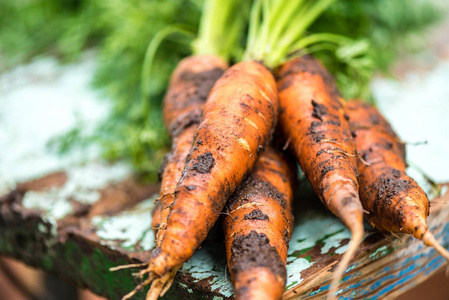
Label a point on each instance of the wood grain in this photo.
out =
(81, 245)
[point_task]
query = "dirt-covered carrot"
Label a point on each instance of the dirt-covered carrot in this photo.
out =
(314, 121)
(217, 41)
(312, 114)
(182, 108)
(394, 201)
(173, 168)
(156, 218)
(257, 225)
(183, 105)
(237, 122)
(187, 92)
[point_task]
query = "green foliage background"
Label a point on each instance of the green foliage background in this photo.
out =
(121, 31)
(382, 30)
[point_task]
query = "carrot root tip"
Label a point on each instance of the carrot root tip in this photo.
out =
(129, 266)
(138, 288)
(430, 240)
(162, 284)
(356, 239)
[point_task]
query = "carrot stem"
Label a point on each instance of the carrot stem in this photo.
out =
(296, 29)
(220, 28)
(150, 53)
(319, 38)
(273, 35)
(253, 29)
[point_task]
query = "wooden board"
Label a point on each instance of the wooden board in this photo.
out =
(80, 222)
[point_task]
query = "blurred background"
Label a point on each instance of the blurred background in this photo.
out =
(71, 91)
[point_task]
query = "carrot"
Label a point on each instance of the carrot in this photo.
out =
(156, 218)
(183, 104)
(175, 161)
(237, 122)
(258, 223)
(160, 285)
(313, 119)
(394, 201)
(219, 34)
(187, 92)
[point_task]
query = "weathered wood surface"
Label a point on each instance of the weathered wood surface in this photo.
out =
(80, 222)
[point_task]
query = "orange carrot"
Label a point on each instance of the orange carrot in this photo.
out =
(258, 223)
(314, 121)
(156, 218)
(237, 123)
(188, 90)
(219, 34)
(394, 202)
(183, 105)
(175, 161)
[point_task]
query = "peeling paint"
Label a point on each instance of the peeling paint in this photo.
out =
(127, 228)
(6, 186)
(203, 266)
(314, 229)
(83, 184)
(49, 202)
(41, 227)
(444, 190)
(379, 252)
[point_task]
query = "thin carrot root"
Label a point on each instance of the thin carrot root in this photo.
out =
(138, 287)
(246, 205)
(356, 239)
(156, 287)
(364, 161)
(160, 285)
(129, 266)
(342, 152)
(169, 282)
(430, 240)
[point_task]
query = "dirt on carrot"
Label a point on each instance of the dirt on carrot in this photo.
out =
(171, 175)
(188, 90)
(394, 201)
(237, 123)
(313, 118)
(183, 105)
(257, 224)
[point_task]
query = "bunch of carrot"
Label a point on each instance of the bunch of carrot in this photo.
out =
(222, 121)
